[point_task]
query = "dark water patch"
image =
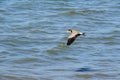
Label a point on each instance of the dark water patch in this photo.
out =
(61, 9)
(2, 10)
(8, 77)
(26, 60)
(106, 75)
(3, 52)
(39, 31)
(111, 43)
(116, 31)
(84, 12)
(102, 75)
(2, 19)
(93, 75)
(2, 60)
(92, 11)
(84, 69)
(13, 77)
(57, 70)
(69, 58)
(107, 38)
(72, 13)
(52, 51)
(83, 76)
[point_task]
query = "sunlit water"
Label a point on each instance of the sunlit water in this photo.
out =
(33, 40)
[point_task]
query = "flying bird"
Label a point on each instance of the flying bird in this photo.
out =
(74, 34)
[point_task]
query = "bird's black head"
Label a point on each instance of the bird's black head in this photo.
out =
(69, 30)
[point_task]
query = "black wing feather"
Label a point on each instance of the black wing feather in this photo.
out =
(71, 40)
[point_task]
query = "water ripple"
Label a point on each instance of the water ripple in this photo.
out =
(33, 39)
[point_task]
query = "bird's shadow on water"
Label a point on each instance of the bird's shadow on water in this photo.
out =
(61, 47)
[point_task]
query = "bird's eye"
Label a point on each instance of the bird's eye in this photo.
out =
(69, 29)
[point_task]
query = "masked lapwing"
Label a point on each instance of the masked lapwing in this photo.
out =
(74, 34)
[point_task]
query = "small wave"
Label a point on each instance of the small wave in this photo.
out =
(72, 12)
(92, 11)
(111, 43)
(2, 10)
(87, 75)
(83, 12)
(15, 77)
(107, 38)
(25, 60)
(8, 77)
(52, 51)
(83, 76)
(38, 32)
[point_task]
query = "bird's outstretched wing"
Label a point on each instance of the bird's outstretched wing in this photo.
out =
(70, 40)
